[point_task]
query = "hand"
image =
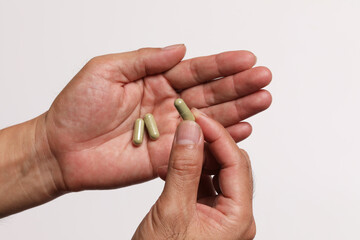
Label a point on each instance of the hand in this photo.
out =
(89, 126)
(188, 207)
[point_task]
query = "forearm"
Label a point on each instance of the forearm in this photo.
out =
(29, 174)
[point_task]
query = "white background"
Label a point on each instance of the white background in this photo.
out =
(303, 149)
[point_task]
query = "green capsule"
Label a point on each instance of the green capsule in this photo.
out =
(151, 126)
(138, 134)
(183, 110)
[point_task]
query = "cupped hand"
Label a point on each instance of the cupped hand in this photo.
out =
(90, 124)
(189, 207)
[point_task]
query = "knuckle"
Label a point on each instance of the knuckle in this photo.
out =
(170, 218)
(139, 64)
(194, 70)
(185, 166)
(244, 153)
(165, 210)
(245, 159)
(142, 51)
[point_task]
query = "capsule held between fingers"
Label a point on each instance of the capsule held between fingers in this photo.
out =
(183, 110)
(138, 134)
(151, 126)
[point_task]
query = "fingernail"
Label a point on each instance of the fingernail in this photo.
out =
(197, 112)
(188, 133)
(171, 47)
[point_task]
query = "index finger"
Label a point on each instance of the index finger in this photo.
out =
(235, 176)
(192, 72)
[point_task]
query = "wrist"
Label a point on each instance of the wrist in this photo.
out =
(47, 163)
(29, 174)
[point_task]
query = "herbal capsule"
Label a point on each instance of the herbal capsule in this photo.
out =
(138, 134)
(183, 110)
(151, 126)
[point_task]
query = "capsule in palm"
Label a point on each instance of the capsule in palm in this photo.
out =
(183, 110)
(151, 126)
(138, 134)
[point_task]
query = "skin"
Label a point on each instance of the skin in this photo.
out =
(84, 140)
(189, 207)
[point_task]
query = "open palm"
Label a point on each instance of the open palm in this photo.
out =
(90, 124)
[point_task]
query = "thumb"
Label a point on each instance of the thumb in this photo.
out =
(185, 164)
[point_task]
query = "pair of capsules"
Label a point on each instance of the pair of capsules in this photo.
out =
(150, 123)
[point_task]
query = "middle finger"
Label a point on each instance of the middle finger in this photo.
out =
(228, 88)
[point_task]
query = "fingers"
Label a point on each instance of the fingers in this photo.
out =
(233, 112)
(240, 131)
(185, 165)
(131, 66)
(228, 88)
(235, 179)
(195, 71)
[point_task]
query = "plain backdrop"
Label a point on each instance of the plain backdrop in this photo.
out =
(304, 149)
